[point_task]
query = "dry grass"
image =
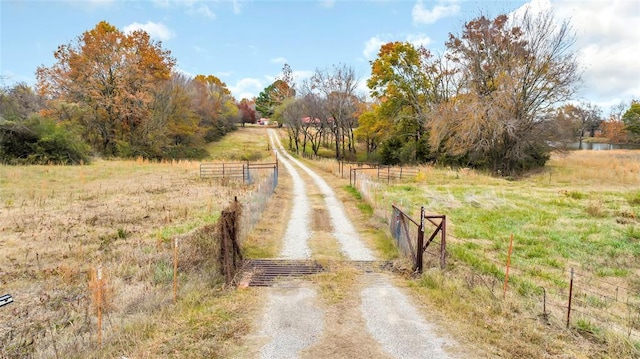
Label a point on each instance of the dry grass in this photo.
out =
(59, 223)
(592, 168)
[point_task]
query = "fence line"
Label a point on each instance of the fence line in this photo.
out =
(255, 202)
(555, 297)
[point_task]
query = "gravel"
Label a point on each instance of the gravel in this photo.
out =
(297, 234)
(396, 324)
(292, 322)
(343, 230)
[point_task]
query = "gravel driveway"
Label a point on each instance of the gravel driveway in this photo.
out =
(294, 319)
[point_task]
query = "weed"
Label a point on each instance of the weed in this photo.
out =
(595, 209)
(634, 198)
(585, 326)
(336, 284)
(574, 194)
(162, 273)
(122, 233)
(632, 232)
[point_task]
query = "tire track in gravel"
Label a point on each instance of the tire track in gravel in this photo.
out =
(293, 323)
(343, 229)
(297, 235)
(283, 329)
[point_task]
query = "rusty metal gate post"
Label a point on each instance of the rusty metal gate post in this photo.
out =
(419, 248)
(443, 243)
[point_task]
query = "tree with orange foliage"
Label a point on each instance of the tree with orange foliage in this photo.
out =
(615, 131)
(215, 106)
(111, 76)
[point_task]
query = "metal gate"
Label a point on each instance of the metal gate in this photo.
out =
(410, 237)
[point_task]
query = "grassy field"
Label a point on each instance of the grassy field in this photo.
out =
(60, 223)
(580, 212)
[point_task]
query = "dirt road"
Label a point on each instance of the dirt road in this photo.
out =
(372, 319)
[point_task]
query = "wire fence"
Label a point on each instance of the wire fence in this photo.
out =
(564, 297)
(582, 300)
(255, 202)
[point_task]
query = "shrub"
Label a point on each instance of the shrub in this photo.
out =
(41, 141)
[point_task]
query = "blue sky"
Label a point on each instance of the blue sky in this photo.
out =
(245, 43)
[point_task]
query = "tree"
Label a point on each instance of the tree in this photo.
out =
(19, 102)
(40, 140)
(565, 126)
(276, 93)
(589, 118)
(631, 119)
(614, 131)
(405, 76)
(512, 73)
(373, 128)
(174, 129)
(112, 76)
(315, 119)
(582, 119)
(247, 111)
(291, 112)
(338, 88)
(215, 106)
(411, 84)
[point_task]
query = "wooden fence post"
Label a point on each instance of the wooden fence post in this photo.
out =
(99, 303)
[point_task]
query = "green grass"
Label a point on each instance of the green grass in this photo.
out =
(582, 212)
(363, 206)
(247, 144)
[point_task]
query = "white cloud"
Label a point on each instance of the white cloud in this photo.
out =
(100, 2)
(183, 72)
(204, 10)
(157, 31)
(327, 3)
(363, 90)
(247, 88)
(606, 47)
(278, 60)
(301, 75)
(195, 7)
(237, 7)
(224, 73)
(419, 39)
(444, 8)
(372, 46)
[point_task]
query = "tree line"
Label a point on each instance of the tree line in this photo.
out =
(499, 99)
(115, 95)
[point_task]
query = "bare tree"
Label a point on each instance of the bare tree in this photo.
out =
(513, 73)
(338, 87)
